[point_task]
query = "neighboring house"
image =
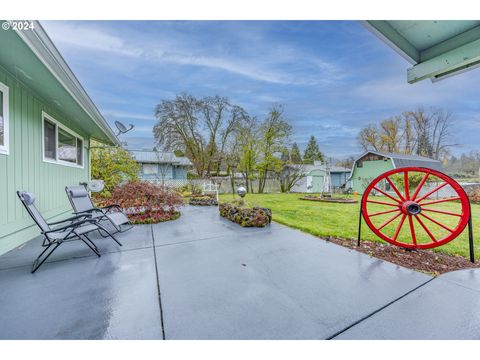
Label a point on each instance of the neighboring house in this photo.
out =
(315, 174)
(161, 166)
(46, 123)
(373, 163)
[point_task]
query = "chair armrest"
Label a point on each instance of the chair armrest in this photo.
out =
(89, 211)
(72, 226)
(77, 217)
(110, 207)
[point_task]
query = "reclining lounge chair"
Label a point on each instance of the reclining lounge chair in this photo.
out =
(73, 228)
(82, 204)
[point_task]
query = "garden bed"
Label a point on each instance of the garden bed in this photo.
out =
(153, 217)
(329, 199)
(426, 261)
(203, 200)
(244, 216)
(143, 202)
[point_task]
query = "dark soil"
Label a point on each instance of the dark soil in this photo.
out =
(426, 261)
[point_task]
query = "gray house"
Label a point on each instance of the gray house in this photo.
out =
(161, 166)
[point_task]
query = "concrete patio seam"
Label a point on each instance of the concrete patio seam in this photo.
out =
(162, 323)
(458, 284)
(190, 241)
(378, 310)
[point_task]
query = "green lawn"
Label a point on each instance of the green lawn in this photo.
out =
(341, 220)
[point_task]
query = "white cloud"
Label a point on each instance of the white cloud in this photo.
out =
(269, 66)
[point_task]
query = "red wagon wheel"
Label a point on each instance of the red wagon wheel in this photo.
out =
(412, 208)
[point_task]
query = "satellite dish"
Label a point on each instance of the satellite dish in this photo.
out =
(95, 185)
(122, 129)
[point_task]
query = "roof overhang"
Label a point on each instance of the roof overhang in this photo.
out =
(436, 49)
(42, 47)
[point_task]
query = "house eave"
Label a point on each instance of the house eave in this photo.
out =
(42, 46)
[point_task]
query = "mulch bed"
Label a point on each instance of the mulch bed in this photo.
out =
(427, 261)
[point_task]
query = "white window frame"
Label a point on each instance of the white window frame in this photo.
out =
(5, 148)
(58, 125)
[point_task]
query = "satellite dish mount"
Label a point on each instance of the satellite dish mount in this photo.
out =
(122, 129)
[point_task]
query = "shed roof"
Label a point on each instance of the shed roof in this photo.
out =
(436, 48)
(155, 157)
(311, 167)
(404, 160)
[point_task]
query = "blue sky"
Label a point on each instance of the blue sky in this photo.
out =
(333, 77)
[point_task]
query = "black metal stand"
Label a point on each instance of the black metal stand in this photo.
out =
(470, 239)
(360, 221)
(359, 226)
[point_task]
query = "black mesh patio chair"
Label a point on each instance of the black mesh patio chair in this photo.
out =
(82, 204)
(73, 228)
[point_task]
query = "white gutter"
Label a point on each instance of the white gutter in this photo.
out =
(42, 46)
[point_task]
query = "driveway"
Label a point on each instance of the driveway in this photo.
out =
(203, 277)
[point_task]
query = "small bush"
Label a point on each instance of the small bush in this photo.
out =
(144, 202)
(203, 200)
(246, 217)
(473, 193)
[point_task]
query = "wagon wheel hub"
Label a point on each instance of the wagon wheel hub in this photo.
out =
(411, 208)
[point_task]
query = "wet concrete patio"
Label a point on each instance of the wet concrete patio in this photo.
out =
(203, 277)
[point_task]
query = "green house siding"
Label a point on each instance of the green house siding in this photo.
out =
(24, 168)
(368, 171)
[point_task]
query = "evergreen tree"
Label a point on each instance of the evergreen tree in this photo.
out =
(312, 152)
(295, 155)
(285, 155)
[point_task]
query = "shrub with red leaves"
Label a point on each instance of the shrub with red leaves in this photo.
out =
(473, 193)
(144, 202)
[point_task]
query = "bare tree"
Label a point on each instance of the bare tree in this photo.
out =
(390, 137)
(290, 176)
(199, 127)
(421, 132)
(369, 138)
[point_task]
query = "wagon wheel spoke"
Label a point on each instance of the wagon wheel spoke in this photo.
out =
(406, 185)
(399, 227)
(419, 187)
(386, 194)
(426, 229)
(388, 221)
(395, 188)
(381, 203)
(412, 230)
(432, 191)
(441, 201)
(436, 222)
(442, 212)
(383, 212)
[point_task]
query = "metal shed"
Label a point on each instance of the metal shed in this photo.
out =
(374, 163)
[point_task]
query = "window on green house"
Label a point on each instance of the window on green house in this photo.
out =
(3, 119)
(49, 131)
(60, 144)
(67, 147)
